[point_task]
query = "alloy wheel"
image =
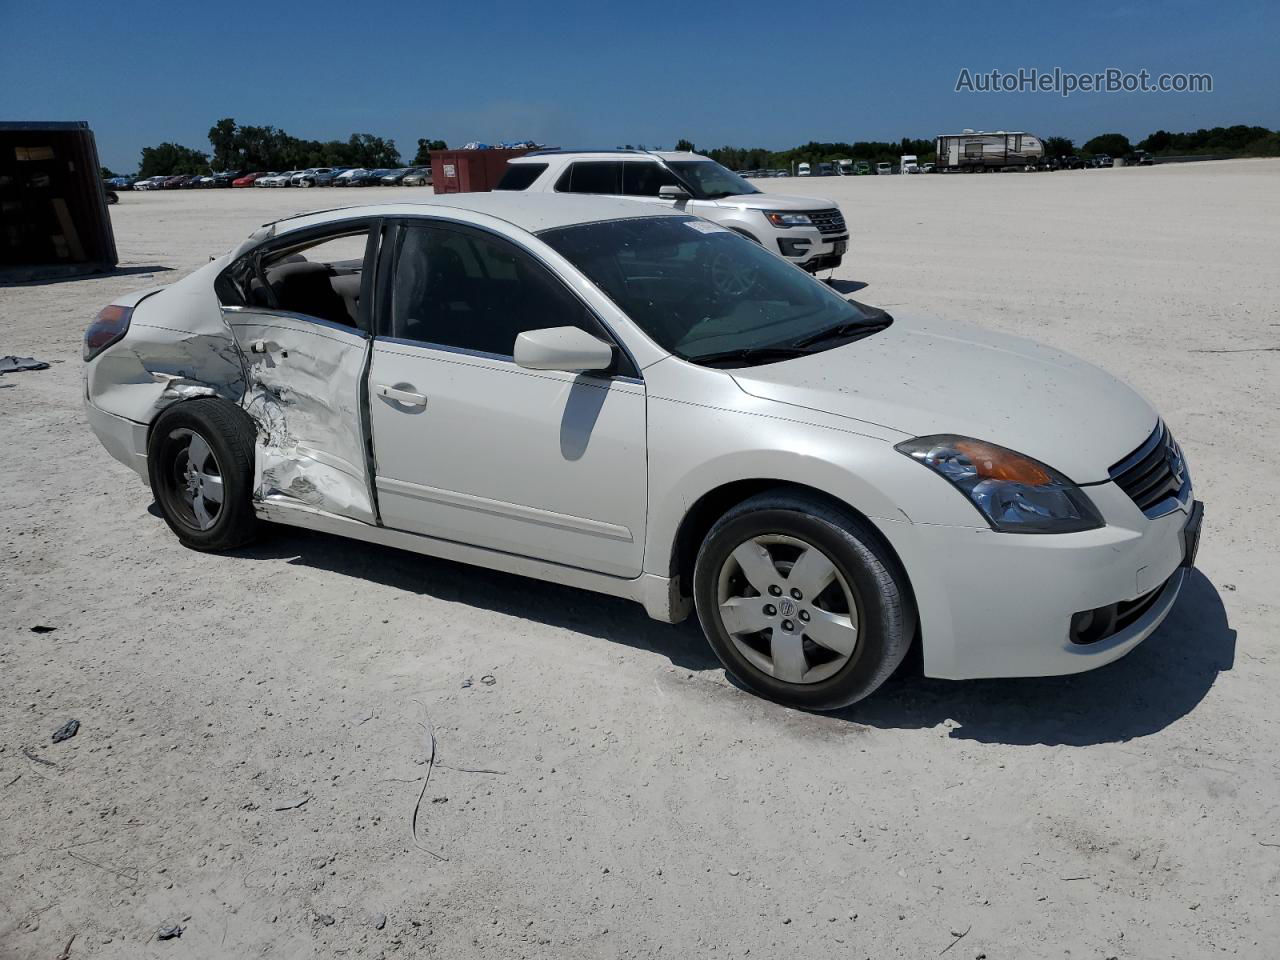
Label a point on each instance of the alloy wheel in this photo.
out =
(787, 608)
(195, 480)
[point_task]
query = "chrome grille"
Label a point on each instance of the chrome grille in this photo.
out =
(1154, 475)
(827, 221)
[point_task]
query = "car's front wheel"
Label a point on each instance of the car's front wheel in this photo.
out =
(200, 462)
(801, 601)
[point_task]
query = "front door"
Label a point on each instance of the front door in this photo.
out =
(298, 312)
(471, 447)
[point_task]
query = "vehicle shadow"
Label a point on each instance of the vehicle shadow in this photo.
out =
(596, 615)
(16, 279)
(1155, 685)
(1159, 682)
(847, 286)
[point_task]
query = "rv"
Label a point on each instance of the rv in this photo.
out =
(844, 168)
(802, 170)
(826, 169)
(977, 151)
(908, 163)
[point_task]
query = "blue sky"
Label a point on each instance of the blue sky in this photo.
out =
(574, 73)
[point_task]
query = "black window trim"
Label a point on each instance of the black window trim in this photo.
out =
(624, 367)
(309, 236)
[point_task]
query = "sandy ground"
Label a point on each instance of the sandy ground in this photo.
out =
(599, 789)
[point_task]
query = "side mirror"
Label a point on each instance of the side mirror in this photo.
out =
(562, 348)
(672, 192)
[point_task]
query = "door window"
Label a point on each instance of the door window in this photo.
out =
(470, 290)
(645, 178)
(319, 277)
(593, 176)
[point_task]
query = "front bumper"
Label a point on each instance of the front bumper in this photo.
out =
(810, 247)
(1001, 605)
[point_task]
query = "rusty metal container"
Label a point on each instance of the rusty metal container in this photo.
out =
(53, 210)
(469, 171)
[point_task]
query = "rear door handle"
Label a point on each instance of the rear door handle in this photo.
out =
(401, 396)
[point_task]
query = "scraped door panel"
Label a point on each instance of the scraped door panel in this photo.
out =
(304, 388)
(538, 463)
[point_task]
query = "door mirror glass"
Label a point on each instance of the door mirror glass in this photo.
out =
(673, 193)
(562, 348)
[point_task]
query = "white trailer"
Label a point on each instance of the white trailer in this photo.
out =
(975, 151)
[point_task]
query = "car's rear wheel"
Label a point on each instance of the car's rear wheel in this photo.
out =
(200, 461)
(801, 601)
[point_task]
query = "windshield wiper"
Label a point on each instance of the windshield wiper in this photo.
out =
(746, 356)
(853, 330)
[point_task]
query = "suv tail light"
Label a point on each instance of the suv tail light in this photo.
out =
(109, 326)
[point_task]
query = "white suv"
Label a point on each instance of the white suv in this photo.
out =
(809, 232)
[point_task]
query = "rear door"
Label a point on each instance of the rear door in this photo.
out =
(471, 447)
(299, 310)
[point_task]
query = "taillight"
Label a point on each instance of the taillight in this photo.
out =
(107, 327)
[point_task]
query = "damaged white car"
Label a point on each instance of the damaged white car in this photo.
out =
(642, 403)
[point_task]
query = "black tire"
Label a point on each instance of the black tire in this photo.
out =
(885, 615)
(229, 435)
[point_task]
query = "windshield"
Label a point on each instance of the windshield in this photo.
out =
(710, 180)
(702, 291)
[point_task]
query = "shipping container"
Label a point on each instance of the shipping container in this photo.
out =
(469, 171)
(53, 209)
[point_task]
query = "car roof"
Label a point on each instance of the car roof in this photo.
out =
(531, 212)
(542, 156)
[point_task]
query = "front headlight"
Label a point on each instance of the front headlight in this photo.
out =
(1015, 494)
(780, 218)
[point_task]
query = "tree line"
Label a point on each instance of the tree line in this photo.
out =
(237, 147)
(1236, 141)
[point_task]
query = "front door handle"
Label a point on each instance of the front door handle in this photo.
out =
(401, 396)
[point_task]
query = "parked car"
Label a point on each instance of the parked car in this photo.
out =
(1072, 162)
(314, 177)
(120, 183)
(1100, 161)
(807, 231)
(884, 168)
(418, 177)
(224, 179)
(277, 179)
(249, 179)
(1139, 158)
(700, 428)
(178, 181)
(927, 167)
(148, 183)
(344, 179)
(394, 178)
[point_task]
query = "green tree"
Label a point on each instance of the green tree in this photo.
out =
(685, 146)
(1112, 144)
(423, 157)
(1058, 147)
(168, 159)
(108, 173)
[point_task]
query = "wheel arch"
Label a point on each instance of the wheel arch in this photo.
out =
(716, 502)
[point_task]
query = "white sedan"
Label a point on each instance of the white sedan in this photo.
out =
(276, 179)
(642, 403)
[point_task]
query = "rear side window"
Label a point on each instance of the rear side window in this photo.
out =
(591, 176)
(520, 176)
(320, 277)
(644, 179)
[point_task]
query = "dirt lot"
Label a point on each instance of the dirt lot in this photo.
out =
(256, 727)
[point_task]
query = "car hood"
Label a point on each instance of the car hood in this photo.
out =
(776, 201)
(925, 377)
